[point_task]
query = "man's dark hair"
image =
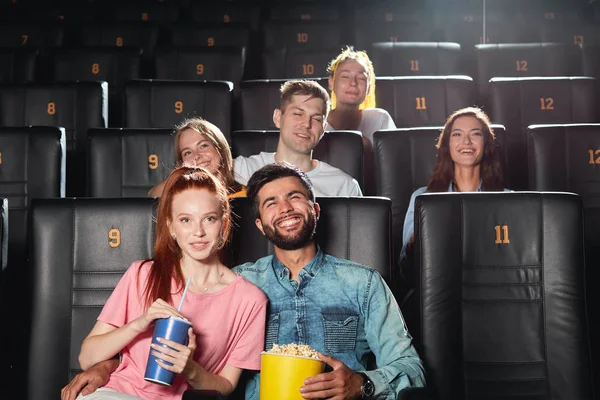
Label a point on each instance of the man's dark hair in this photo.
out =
(270, 173)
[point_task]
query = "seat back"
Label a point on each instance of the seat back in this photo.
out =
(423, 100)
(289, 63)
(416, 58)
(565, 158)
(114, 65)
(128, 162)
(302, 34)
(32, 165)
(343, 225)
(17, 34)
(404, 161)
(164, 104)
(141, 35)
(79, 250)
(519, 60)
(519, 102)
(501, 295)
(341, 149)
(201, 63)
(75, 106)
(17, 65)
(211, 34)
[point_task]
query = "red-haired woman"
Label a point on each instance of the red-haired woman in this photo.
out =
(227, 312)
(467, 160)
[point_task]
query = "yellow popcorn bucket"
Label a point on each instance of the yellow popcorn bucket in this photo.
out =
(282, 376)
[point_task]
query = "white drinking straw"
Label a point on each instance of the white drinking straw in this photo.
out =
(187, 285)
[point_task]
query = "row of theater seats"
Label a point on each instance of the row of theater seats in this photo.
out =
(361, 22)
(128, 162)
(411, 101)
(117, 65)
(513, 298)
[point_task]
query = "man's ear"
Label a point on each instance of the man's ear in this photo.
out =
(277, 117)
(317, 208)
(259, 225)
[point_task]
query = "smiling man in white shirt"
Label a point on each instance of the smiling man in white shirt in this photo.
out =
(301, 119)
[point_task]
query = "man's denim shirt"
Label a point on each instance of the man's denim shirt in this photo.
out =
(341, 309)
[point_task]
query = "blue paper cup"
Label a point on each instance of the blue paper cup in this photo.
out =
(175, 329)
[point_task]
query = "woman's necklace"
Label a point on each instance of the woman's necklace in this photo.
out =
(215, 284)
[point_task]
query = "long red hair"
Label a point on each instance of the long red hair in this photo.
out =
(491, 167)
(167, 254)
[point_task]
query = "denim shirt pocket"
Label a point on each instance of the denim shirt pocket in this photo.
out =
(340, 332)
(272, 332)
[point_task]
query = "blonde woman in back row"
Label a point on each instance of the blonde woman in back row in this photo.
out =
(352, 85)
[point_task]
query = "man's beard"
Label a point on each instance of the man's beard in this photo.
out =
(295, 241)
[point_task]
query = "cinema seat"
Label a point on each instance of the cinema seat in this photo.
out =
(79, 250)
(17, 65)
(416, 58)
(32, 166)
(423, 100)
(164, 104)
(519, 102)
(74, 106)
(501, 298)
(128, 162)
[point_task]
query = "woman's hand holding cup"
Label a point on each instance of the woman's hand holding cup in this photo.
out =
(158, 309)
(182, 357)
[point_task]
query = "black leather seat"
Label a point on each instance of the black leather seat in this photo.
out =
(565, 158)
(75, 106)
(342, 149)
(17, 34)
(590, 60)
(211, 34)
(344, 224)
(501, 296)
(17, 65)
(128, 162)
(79, 250)
(519, 60)
(416, 58)
(423, 100)
(404, 161)
(519, 102)
(230, 12)
(201, 63)
(163, 104)
(302, 34)
(32, 165)
(289, 63)
(258, 99)
(114, 65)
(142, 35)
(162, 12)
(304, 12)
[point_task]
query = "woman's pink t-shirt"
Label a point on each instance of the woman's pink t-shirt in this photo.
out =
(229, 326)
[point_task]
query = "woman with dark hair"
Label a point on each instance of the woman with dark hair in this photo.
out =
(467, 160)
(226, 311)
(202, 144)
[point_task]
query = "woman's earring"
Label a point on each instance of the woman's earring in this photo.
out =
(174, 237)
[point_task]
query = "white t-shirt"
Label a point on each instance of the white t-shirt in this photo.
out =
(372, 120)
(326, 180)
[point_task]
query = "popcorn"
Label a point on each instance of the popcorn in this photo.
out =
(293, 349)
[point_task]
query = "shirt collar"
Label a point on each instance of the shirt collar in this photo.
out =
(478, 187)
(310, 269)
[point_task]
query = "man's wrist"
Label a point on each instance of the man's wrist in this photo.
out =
(367, 388)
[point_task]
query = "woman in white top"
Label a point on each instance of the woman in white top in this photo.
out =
(352, 85)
